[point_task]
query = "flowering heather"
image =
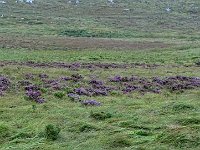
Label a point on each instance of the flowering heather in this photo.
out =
(76, 77)
(102, 87)
(32, 87)
(130, 88)
(74, 97)
(54, 84)
(4, 84)
(178, 82)
(81, 91)
(98, 92)
(24, 82)
(33, 93)
(124, 79)
(29, 76)
(75, 66)
(43, 76)
(116, 79)
(65, 78)
(96, 82)
(90, 103)
(96, 87)
(79, 65)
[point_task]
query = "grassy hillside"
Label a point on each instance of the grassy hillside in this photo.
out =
(123, 18)
(98, 76)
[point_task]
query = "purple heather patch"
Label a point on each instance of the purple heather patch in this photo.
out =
(4, 84)
(94, 87)
(29, 76)
(24, 82)
(77, 76)
(81, 91)
(65, 78)
(90, 103)
(96, 82)
(74, 97)
(34, 94)
(43, 76)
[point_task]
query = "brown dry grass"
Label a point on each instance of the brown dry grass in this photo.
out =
(63, 43)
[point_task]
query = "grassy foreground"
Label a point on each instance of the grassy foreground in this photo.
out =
(137, 121)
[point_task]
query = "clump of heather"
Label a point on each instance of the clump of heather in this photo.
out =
(75, 66)
(123, 79)
(129, 88)
(54, 84)
(76, 77)
(43, 76)
(90, 103)
(81, 91)
(74, 97)
(33, 93)
(116, 79)
(98, 92)
(4, 84)
(65, 78)
(24, 83)
(96, 82)
(32, 88)
(29, 76)
(175, 83)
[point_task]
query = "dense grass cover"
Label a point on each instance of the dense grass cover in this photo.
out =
(97, 75)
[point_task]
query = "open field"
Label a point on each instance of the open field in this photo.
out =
(100, 76)
(57, 43)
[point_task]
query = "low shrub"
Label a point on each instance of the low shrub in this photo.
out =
(100, 115)
(52, 132)
(87, 128)
(59, 94)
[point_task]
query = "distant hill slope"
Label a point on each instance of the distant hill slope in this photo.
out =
(123, 18)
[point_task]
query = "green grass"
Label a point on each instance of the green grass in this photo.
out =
(169, 56)
(144, 19)
(133, 121)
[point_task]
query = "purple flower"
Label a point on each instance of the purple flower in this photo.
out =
(130, 88)
(40, 100)
(4, 84)
(90, 103)
(24, 83)
(100, 92)
(74, 97)
(76, 76)
(116, 79)
(43, 76)
(81, 91)
(33, 93)
(65, 78)
(96, 82)
(32, 87)
(29, 76)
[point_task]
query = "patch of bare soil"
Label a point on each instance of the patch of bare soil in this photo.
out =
(63, 43)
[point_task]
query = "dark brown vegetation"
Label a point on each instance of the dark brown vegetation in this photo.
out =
(62, 43)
